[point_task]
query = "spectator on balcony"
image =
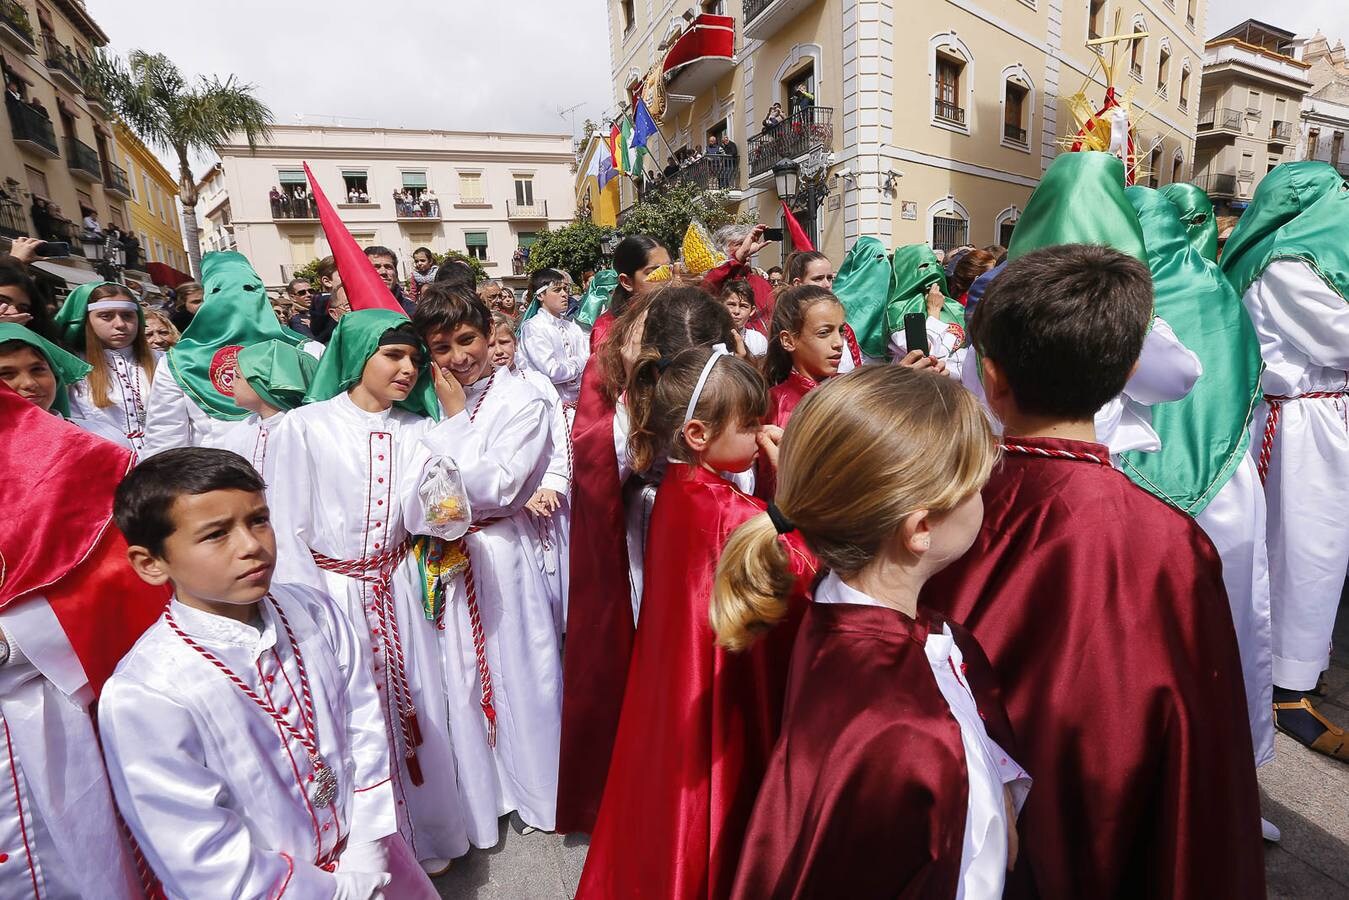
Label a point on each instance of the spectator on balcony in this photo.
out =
(671, 168)
(38, 108)
(301, 296)
(430, 203)
(713, 146)
(14, 93)
(774, 117)
(42, 218)
(92, 229)
(518, 261)
(131, 249)
(386, 264)
(801, 101)
(423, 272)
(274, 197)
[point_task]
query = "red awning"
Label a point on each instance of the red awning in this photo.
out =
(701, 55)
(165, 275)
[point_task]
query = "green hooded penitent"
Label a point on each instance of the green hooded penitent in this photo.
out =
(67, 367)
(354, 341)
(1299, 212)
(74, 314)
(279, 371)
(596, 298)
(1079, 201)
(863, 287)
(913, 269)
(234, 314)
(1196, 214)
(1204, 435)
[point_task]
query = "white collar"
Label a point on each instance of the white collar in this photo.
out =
(222, 631)
(831, 589)
(345, 403)
(127, 353)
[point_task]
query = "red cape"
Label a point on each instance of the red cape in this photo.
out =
(599, 614)
(782, 400)
(865, 796)
(698, 722)
(603, 323)
(1104, 614)
(731, 270)
(57, 538)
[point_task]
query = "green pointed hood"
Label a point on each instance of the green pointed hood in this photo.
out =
(67, 367)
(596, 298)
(863, 287)
(234, 314)
(913, 269)
(1080, 200)
(1206, 434)
(74, 314)
(279, 371)
(1299, 211)
(353, 342)
(1196, 214)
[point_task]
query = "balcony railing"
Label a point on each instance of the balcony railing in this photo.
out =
(16, 27)
(1280, 132)
(754, 7)
(1218, 185)
(83, 160)
(65, 64)
(1220, 119)
(711, 173)
(801, 132)
(949, 112)
(535, 210)
(288, 207)
(418, 209)
(115, 180)
(32, 129)
(1013, 133)
(13, 220)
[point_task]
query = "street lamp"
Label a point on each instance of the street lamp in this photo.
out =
(787, 177)
(107, 253)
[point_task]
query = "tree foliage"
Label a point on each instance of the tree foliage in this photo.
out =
(574, 247)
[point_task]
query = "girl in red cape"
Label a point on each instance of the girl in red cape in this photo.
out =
(635, 257)
(698, 723)
(607, 519)
(894, 775)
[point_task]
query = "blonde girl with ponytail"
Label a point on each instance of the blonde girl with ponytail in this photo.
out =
(698, 723)
(894, 773)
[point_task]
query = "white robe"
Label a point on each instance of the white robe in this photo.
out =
(554, 531)
(557, 349)
(983, 858)
(502, 456)
(1303, 327)
(343, 482)
(58, 826)
(123, 420)
(216, 795)
(944, 341)
(250, 438)
(175, 420)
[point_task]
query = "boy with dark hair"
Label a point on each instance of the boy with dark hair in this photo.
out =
(243, 733)
(1102, 610)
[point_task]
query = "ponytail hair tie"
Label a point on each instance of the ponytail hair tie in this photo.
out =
(781, 524)
(663, 363)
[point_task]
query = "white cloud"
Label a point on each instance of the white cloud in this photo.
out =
(490, 65)
(1303, 17)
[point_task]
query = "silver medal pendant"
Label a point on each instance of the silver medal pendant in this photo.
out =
(323, 788)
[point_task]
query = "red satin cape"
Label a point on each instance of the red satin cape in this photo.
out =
(866, 792)
(698, 722)
(782, 400)
(57, 538)
(599, 614)
(1103, 612)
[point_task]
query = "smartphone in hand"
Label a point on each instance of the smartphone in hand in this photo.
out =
(915, 333)
(772, 234)
(49, 249)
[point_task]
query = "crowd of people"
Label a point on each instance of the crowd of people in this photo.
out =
(981, 576)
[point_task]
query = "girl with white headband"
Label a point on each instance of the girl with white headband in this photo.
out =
(103, 322)
(698, 723)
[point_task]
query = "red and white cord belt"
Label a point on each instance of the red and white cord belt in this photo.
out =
(377, 571)
(1276, 403)
(479, 638)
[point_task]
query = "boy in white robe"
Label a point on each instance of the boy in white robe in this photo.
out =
(503, 663)
(271, 378)
(243, 733)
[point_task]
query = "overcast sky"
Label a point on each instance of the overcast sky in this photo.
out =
(495, 65)
(1301, 17)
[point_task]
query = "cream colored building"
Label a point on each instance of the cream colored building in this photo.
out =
(56, 149)
(482, 194)
(1249, 111)
(933, 120)
(1325, 110)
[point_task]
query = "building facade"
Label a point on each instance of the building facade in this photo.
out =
(152, 209)
(482, 194)
(56, 154)
(1249, 111)
(1325, 109)
(929, 121)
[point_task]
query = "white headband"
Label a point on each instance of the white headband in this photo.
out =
(718, 351)
(111, 304)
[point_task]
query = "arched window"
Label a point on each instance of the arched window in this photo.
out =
(1163, 66)
(1183, 96)
(1004, 224)
(948, 224)
(951, 74)
(1138, 49)
(1018, 108)
(1178, 167)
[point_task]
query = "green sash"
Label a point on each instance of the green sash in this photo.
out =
(596, 298)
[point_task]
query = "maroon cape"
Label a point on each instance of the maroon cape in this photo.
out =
(698, 722)
(603, 322)
(782, 400)
(57, 538)
(599, 614)
(1104, 614)
(865, 796)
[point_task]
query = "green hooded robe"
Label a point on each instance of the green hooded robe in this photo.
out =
(279, 371)
(1196, 214)
(913, 269)
(67, 367)
(863, 287)
(596, 298)
(354, 341)
(1205, 435)
(74, 314)
(1079, 201)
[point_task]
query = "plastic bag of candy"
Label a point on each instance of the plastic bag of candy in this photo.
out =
(448, 515)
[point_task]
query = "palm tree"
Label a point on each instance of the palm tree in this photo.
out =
(174, 115)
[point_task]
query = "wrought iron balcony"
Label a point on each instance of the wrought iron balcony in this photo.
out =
(13, 219)
(417, 209)
(800, 133)
(65, 65)
(766, 17)
(1218, 185)
(1220, 119)
(115, 181)
(526, 211)
(32, 130)
(16, 28)
(295, 208)
(1280, 132)
(950, 112)
(83, 161)
(711, 173)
